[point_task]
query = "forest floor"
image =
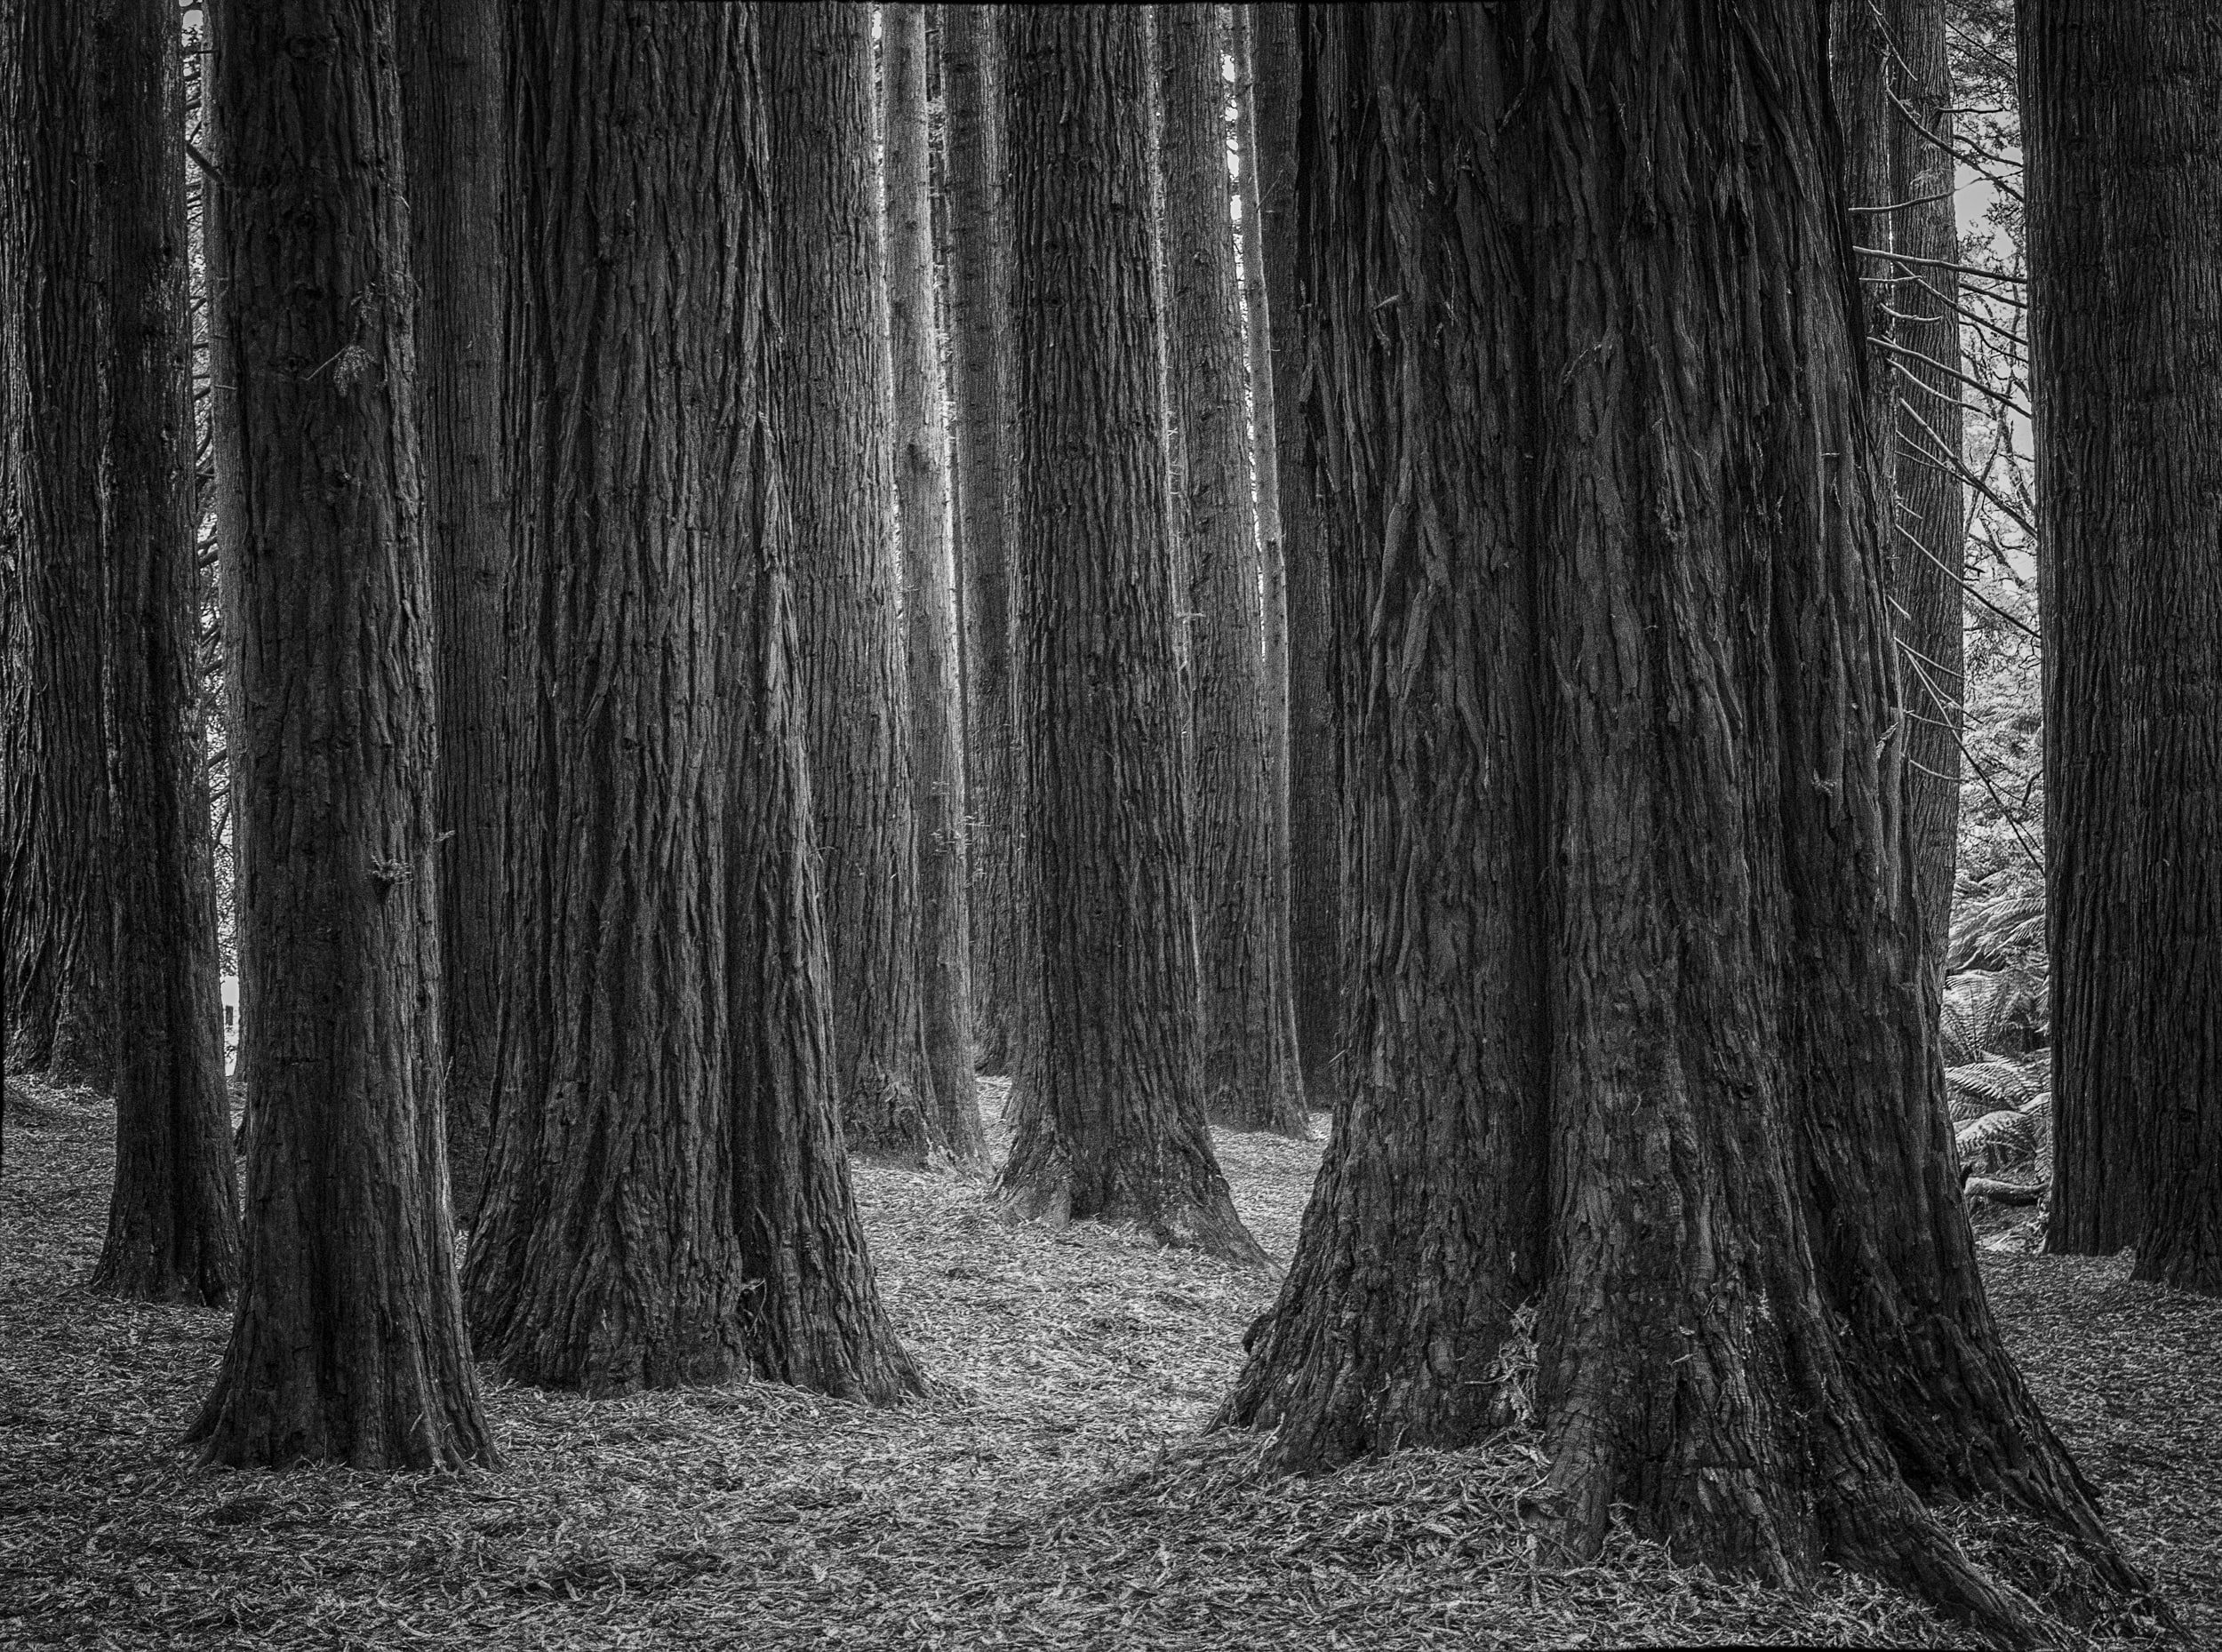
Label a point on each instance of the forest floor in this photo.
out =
(1055, 1490)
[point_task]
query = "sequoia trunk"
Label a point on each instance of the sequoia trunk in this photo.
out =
(922, 497)
(1111, 1121)
(668, 1200)
(979, 305)
(1316, 964)
(173, 1217)
(1250, 1077)
(1643, 1087)
(830, 417)
(2123, 112)
(453, 82)
(59, 978)
(348, 1342)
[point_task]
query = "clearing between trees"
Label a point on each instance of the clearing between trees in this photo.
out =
(1053, 1488)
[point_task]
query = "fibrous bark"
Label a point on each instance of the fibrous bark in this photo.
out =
(829, 411)
(452, 85)
(2121, 110)
(60, 979)
(1110, 1104)
(1644, 1119)
(173, 1216)
(922, 498)
(348, 1341)
(17, 793)
(1314, 849)
(668, 1200)
(979, 304)
(1251, 1076)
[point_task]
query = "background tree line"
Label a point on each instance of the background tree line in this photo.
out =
(736, 615)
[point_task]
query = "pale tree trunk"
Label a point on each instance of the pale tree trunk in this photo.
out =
(1250, 1077)
(348, 1343)
(2121, 111)
(979, 305)
(1644, 1089)
(1111, 1122)
(173, 1216)
(668, 1200)
(929, 587)
(454, 81)
(1316, 963)
(829, 411)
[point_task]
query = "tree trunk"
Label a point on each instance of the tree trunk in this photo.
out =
(929, 588)
(2123, 112)
(61, 978)
(18, 790)
(1645, 1119)
(1258, 345)
(1111, 1121)
(1317, 966)
(1929, 544)
(173, 1217)
(1250, 1077)
(668, 1200)
(830, 417)
(453, 87)
(348, 1343)
(979, 303)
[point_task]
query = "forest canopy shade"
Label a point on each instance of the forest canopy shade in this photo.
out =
(1642, 1055)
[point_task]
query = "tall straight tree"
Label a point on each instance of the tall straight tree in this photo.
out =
(1251, 1076)
(2121, 111)
(1894, 90)
(60, 979)
(173, 1218)
(978, 302)
(829, 411)
(1315, 849)
(348, 1341)
(452, 82)
(1643, 1082)
(921, 496)
(668, 1200)
(18, 792)
(1111, 1122)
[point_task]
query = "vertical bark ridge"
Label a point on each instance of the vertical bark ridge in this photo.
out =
(1111, 1121)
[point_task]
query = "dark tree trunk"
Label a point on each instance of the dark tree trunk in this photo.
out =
(60, 984)
(348, 1343)
(2121, 110)
(1111, 1121)
(1316, 963)
(1928, 544)
(453, 83)
(929, 587)
(17, 792)
(1250, 1077)
(829, 417)
(1642, 1066)
(668, 1200)
(173, 1217)
(979, 305)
